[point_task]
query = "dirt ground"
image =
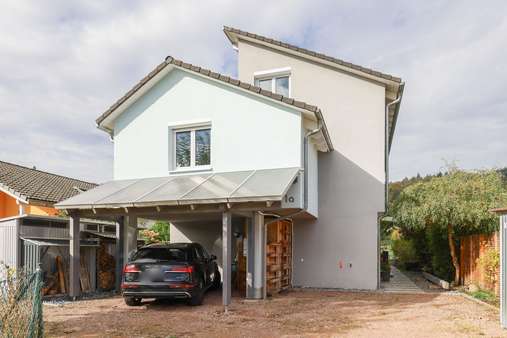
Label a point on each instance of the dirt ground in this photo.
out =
(294, 314)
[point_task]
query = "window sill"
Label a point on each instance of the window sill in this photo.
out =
(190, 170)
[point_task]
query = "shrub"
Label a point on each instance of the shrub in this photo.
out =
(489, 262)
(157, 233)
(405, 252)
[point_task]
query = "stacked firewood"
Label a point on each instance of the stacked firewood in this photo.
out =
(55, 283)
(106, 265)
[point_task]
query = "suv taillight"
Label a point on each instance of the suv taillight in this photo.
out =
(187, 269)
(131, 273)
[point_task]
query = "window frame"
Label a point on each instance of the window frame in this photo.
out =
(272, 75)
(192, 130)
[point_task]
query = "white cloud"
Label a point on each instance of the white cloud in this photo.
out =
(63, 63)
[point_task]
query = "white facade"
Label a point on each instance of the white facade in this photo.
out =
(340, 248)
(247, 132)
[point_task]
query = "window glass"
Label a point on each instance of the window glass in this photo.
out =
(282, 86)
(161, 254)
(202, 252)
(202, 146)
(183, 140)
(265, 84)
(198, 253)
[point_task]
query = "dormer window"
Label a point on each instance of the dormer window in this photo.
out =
(275, 80)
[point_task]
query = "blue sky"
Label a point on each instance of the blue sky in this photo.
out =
(63, 63)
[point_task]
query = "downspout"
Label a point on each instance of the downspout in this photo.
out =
(387, 145)
(305, 159)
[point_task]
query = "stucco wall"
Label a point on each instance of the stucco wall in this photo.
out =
(8, 206)
(247, 132)
(338, 250)
(41, 211)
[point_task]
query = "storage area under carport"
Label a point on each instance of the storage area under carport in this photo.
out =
(229, 211)
(278, 249)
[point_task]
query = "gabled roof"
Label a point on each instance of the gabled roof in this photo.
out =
(170, 61)
(29, 184)
(393, 84)
(233, 32)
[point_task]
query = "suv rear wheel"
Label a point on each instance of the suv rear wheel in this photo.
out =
(198, 295)
(132, 301)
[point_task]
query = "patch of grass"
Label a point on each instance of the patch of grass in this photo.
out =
(485, 296)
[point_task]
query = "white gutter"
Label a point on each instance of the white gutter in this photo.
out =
(386, 141)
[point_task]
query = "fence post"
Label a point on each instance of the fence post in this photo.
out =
(36, 327)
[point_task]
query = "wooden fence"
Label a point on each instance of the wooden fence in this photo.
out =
(471, 248)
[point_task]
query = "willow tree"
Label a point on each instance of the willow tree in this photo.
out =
(458, 202)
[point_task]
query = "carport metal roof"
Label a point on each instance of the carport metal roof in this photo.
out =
(204, 188)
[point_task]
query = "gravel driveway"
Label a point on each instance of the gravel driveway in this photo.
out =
(294, 314)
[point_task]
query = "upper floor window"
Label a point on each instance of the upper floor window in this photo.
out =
(192, 148)
(276, 81)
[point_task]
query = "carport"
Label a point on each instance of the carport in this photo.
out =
(251, 194)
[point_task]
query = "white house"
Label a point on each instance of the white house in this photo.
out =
(300, 137)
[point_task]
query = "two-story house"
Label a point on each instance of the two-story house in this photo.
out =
(300, 137)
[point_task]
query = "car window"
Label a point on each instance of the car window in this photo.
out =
(204, 253)
(198, 253)
(164, 254)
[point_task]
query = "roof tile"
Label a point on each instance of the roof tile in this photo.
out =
(311, 53)
(39, 185)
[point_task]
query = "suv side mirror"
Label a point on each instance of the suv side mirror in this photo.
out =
(213, 257)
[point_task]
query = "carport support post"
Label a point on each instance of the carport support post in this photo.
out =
(259, 253)
(130, 233)
(74, 251)
(120, 243)
(226, 257)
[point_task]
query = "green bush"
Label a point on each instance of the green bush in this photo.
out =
(405, 252)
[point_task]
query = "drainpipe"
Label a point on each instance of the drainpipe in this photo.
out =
(386, 141)
(305, 160)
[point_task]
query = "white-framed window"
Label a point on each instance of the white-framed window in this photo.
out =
(275, 80)
(192, 148)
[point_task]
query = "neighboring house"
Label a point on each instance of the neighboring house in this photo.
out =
(32, 233)
(216, 156)
(27, 191)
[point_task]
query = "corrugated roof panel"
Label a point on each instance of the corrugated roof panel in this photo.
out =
(98, 193)
(218, 188)
(244, 186)
(134, 191)
(266, 183)
(177, 187)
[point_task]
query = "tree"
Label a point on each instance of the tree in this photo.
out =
(458, 202)
(157, 233)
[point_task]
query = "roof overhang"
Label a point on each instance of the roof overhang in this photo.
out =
(105, 122)
(266, 185)
(14, 194)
